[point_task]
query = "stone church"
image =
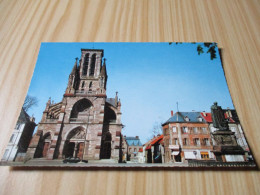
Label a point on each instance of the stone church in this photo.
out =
(85, 124)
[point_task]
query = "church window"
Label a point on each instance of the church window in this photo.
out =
(85, 65)
(80, 106)
(93, 63)
(83, 84)
(90, 86)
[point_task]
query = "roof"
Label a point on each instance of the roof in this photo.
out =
(133, 141)
(207, 116)
(150, 143)
(23, 117)
(111, 101)
(180, 117)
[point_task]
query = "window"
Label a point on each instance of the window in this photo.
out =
(196, 141)
(184, 129)
(85, 65)
(206, 142)
(5, 154)
(11, 139)
(204, 130)
(93, 63)
(174, 130)
(195, 130)
(186, 118)
(130, 149)
(135, 150)
(199, 119)
(90, 86)
(175, 141)
(185, 141)
(233, 129)
(17, 126)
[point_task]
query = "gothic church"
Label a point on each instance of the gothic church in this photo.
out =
(85, 124)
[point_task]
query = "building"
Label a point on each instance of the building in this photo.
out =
(235, 126)
(186, 137)
(133, 146)
(154, 150)
(20, 138)
(85, 124)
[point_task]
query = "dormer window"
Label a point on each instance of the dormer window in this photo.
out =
(199, 119)
(186, 119)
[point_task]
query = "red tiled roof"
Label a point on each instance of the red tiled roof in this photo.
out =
(154, 141)
(140, 150)
(208, 117)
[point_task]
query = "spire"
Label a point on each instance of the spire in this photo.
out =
(116, 99)
(103, 69)
(74, 67)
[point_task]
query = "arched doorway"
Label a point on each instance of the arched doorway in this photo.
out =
(105, 152)
(46, 144)
(74, 144)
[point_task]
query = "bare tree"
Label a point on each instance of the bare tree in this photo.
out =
(29, 102)
(155, 131)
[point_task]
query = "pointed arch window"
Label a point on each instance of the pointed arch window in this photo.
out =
(90, 86)
(92, 66)
(85, 65)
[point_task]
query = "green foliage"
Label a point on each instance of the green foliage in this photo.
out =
(209, 47)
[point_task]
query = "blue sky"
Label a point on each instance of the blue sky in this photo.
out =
(149, 77)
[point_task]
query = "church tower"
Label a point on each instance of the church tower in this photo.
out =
(85, 124)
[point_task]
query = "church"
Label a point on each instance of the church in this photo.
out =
(85, 124)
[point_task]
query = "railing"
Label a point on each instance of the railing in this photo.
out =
(212, 163)
(51, 120)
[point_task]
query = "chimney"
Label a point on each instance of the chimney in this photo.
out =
(171, 113)
(137, 137)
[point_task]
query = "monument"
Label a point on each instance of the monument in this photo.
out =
(225, 146)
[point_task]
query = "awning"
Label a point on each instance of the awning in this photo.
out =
(175, 153)
(174, 147)
(189, 155)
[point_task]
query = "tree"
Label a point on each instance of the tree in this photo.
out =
(29, 102)
(155, 131)
(210, 47)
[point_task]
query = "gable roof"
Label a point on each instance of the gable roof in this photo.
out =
(153, 141)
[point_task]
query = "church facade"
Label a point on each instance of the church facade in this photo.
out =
(85, 124)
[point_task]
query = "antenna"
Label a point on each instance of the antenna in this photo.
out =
(177, 111)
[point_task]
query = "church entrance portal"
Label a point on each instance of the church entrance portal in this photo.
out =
(74, 144)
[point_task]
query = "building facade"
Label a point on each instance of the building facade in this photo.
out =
(133, 146)
(85, 124)
(20, 138)
(186, 137)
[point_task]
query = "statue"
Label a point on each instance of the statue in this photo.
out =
(218, 117)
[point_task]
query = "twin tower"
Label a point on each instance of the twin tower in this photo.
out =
(85, 124)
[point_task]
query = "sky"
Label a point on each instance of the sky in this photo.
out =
(150, 79)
